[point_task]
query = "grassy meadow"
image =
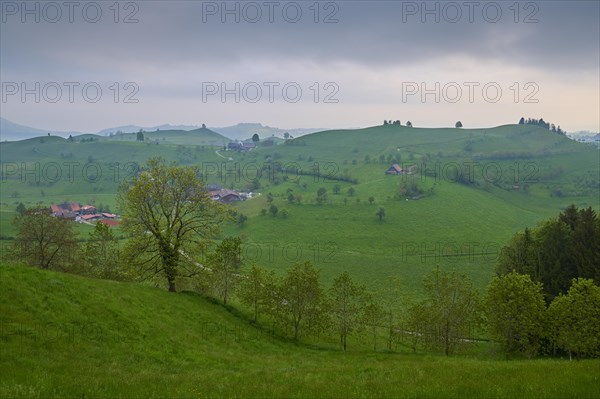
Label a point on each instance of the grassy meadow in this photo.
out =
(513, 176)
(69, 336)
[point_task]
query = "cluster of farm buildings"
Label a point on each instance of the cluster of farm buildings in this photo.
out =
(83, 213)
(243, 146)
(89, 213)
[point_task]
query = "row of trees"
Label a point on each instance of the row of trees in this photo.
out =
(541, 122)
(556, 251)
(519, 319)
(452, 313)
(391, 158)
(396, 122)
(50, 242)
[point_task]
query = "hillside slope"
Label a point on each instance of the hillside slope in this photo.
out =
(532, 174)
(67, 336)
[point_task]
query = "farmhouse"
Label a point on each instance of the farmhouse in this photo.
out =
(67, 210)
(234, 146)
(248, 145)
(88, 210)
(241, 146)
(89, 218)
(395, 169)
(226, 196)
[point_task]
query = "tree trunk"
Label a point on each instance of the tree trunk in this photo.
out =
(447, 339)
(169, 263)
(375, 342)
(171, 274)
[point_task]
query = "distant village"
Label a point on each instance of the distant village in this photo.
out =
(83, 213)
(89, 214)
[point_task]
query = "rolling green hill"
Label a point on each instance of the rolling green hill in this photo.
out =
(479, 187)
(68, 336)
(201, 136)
(520, 175)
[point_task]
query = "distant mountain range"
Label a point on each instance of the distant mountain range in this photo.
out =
(12, 131)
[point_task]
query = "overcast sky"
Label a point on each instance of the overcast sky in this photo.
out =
(299, 64)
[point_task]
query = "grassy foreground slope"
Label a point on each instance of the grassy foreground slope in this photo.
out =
(68, 336)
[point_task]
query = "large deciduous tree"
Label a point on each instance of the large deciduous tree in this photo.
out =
(574, 319)
(170, 217)
(515, 311)
(43, 240)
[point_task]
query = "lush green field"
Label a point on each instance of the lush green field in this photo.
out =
(68, 336)
(461, 226)
(513, 176)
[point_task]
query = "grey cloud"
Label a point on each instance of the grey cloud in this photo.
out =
(368, 33)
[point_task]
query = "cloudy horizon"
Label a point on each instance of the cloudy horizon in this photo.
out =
(299, 64)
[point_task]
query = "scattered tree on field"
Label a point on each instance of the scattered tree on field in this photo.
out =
(21, 209)
(380, 213)
(321, 195)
